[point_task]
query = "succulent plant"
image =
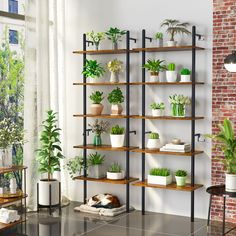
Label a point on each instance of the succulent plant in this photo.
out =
(171, 67)
(153, 135)
(159, 172)
(158, 35)
(115, 168)
(117, 130)
(181, 173)
(185, 71)
(156, 106)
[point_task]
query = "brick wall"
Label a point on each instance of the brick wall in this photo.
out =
(223, 91)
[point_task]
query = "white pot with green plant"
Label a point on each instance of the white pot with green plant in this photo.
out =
(185, 75)
(115, 67)
(153, 141)
(174, 27)
(96, 107)
(49, 156)
(154, 66)
(159, 38)
(115, 35)
(160, 176)
(117, 136)
(178, 105)
(95, 166)
(157, 109)
(96, 38)
(93, 71)
(171, 73)
(115, 98)
(115, 172)
(226, 141)
(181, 177)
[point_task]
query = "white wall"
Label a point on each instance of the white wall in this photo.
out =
(135, 15)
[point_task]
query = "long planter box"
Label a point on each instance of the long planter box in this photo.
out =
(161, 180)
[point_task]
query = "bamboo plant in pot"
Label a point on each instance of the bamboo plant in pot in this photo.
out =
(226, 141)
(49, 156)
(115, 98)
(154, 66)
(117, 136)
(96, 108)
(157, 109)
(115, 35)
(185, 75)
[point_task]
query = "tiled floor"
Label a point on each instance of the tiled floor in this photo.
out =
(72, 223)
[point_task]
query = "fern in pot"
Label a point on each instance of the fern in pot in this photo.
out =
(49, 156)
(117, 136)
(153, 141)
(115, 172)
(115, 98)
(96, 108)
(95, 166)
(157, 109)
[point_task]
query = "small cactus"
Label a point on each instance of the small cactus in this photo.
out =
(153, 135)
(171, 67)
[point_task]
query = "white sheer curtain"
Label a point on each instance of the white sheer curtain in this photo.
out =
(44, 79)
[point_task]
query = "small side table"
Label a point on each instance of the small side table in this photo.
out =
(219, 190)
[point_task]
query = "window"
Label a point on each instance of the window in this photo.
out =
(13, 6)
(13, 37)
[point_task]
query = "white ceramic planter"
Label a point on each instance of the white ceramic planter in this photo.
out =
(154, 78)
(96, 109)
(153, 143)
(161, 180)
(116, 110)
(157, 112)
(230, 182)
(112, 175)
(117, 140)
(180, 181)
(114, 77)
(159, 42)
(97, 171)
(13, 186)
(44, 192)
(6, 157)
(171, 76)
(185, 78)
(171, 43)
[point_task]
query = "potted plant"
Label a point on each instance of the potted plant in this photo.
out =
(115, 67)
(115, 34)
(159, 176)
(174, 27)
(98, 127)
(159, 37)
(96, 169)
(154, 66)
(226, 141)
(49, 156)
(75, 166)
(96, 38)
(171, 73)
(181, 176)
(115, 172)
(10, 133)
(117, 136)
(178, 105)
(93, 70)
(96, 108)
(153, 141)
(157, 109)
(115, 98)
(185, 75)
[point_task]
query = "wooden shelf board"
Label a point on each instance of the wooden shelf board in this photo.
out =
(108, 51)
(7, 226)
(173, 186)
(166, 117)
(168, 49)
(102, 116)
(105, 180)
(165, 83)
(157, 151)
(13, 168)
(104, 147)
(4, 201)
(101, 84)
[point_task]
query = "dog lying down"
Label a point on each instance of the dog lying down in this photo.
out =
(104, 200)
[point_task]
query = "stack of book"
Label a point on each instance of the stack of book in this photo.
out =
(170, 147)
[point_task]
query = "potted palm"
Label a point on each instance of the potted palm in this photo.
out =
(180, 177)
(117, 136)
(49, 156)
(185, 75)
(157, 109)
(96, 38)
(115, 172)
(159, 37)
(174, 27)
(115, 34)
(153, 141)
(115, 67)
(95, 163)
(96, 108)
(93, 70)
(154, 66)
(171, 73)
(115, 98)
(161, 176)
(226, 141)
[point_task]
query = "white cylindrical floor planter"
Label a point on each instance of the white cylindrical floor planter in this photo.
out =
(171, 76)
(117, 140)
(96, 109)
(113, 175)
(44, 192)
(185, 78)
(157, 112)
(230, 182)
(153, 143)
(116, 110)
(161, 180)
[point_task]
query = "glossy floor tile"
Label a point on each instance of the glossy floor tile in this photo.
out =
(72, 223)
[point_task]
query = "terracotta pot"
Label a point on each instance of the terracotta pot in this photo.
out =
(116, 110)
(96, 109)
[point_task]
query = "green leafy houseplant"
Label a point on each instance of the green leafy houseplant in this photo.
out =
(96, 97)
(158, 35)
(185, 71)
(159, 172)
(115, 97)
(175, 27)
(117, 130)
(93, 69)
(75, 165)
(153, 135)
(95, 159)
(115, 168)
(155, 66)
(181, 173)
(156, 106)
(115, 34)
(50, 152)
(96, 38)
